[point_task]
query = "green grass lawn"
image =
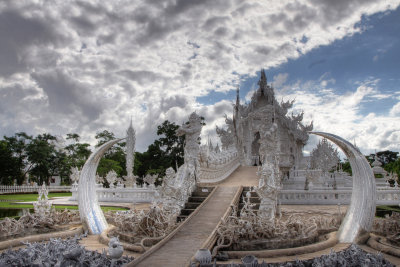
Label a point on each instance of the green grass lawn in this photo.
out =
(382, 210)
(33, 197)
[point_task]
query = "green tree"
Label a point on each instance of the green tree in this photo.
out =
(394, 167)
(115, 155)
(41, 153)
(107, 165)
(346, 166)
(17, 144)
(171, 144)
(77, 152)
(9, 168)
(387, 156)
(165, 152)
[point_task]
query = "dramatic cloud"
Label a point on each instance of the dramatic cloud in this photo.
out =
(72, 66)
(342, 114)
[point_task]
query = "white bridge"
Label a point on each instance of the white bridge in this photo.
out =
(220, 168)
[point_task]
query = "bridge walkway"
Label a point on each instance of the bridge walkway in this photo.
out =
(179, 250)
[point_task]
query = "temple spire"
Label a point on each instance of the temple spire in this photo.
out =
(237, 98)
(130, 152)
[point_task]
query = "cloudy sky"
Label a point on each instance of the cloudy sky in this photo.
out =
(86, 66)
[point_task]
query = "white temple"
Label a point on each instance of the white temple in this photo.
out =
(251, 120)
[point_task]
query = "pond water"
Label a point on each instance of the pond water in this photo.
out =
(13, 212)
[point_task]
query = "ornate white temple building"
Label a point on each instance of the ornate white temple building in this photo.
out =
(263, 128)
(252, 120)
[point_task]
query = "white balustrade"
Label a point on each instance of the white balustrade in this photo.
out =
(331, 197)
(219, 168)
(120, 194)
(10, 189)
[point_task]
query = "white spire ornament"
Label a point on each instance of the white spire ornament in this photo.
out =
(130, 156)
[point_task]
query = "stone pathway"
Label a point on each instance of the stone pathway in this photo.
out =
(244, 175)
(183, 245)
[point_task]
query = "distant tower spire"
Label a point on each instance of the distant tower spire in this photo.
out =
(237, 98)
(263, 81)
(130, 151)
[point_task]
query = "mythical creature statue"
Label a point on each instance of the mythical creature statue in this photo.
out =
(111, 178)
(75, 173)
(191, 130)
(150, 179)
(270, 181)
(42, 206)
(226, 136)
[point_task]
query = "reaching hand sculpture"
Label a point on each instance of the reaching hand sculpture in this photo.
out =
(91, 214)
(360, 214)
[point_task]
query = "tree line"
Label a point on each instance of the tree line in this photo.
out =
(38, 158)
(390, 162)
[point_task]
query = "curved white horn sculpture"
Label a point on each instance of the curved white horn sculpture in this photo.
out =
(89, 208)
(361, 213)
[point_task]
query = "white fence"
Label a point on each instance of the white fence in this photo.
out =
(120, 194)
(12, 189)
(385, 196)
(128, 195)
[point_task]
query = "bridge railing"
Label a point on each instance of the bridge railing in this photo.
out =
(331, 197)
(13, 189)
(219, 167)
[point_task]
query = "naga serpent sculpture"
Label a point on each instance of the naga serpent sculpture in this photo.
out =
(89, 209)
(361, 212)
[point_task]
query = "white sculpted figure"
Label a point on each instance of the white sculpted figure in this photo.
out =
(75, 173)
(169, 192)
(150, 179)
(178, 187)
(270, 182)
(191, 130)
(226, 136)
(42, 206)
(111, 178)
(169, 177)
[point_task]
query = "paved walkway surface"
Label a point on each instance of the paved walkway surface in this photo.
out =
(183, 245)
(244, 175)
(181, 248)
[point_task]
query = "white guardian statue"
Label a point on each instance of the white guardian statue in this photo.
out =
(191, 130)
